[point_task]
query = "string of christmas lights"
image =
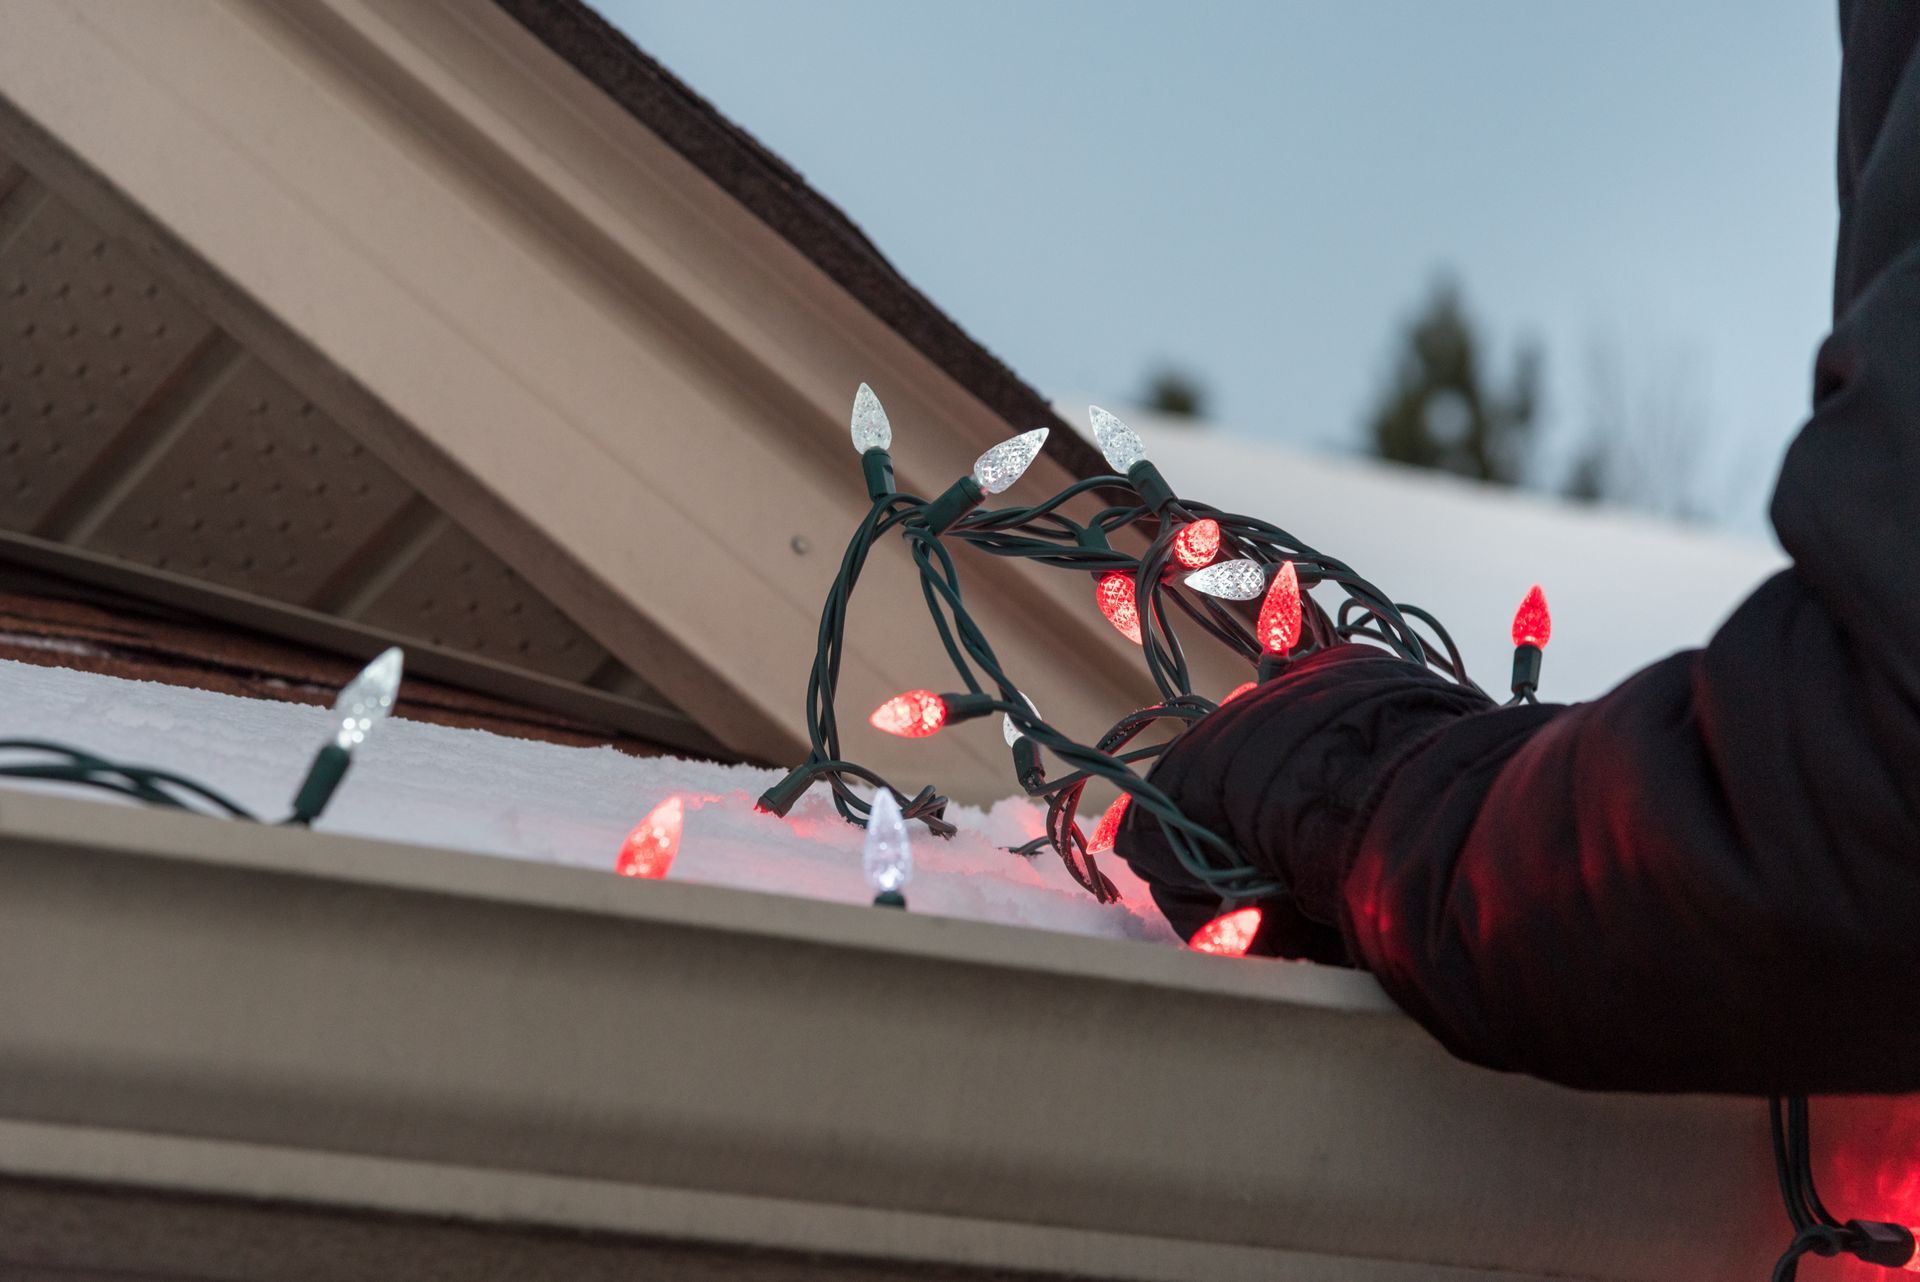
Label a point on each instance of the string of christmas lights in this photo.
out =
(1157, 563)
(1203, 566)
(361, 705)
(1197, 561)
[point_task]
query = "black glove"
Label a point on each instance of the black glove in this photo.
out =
(1287, 774)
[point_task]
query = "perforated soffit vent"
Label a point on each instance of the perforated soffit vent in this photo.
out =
(140, 446)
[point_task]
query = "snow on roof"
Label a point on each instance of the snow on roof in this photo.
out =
(1624, 589)
(475, 791)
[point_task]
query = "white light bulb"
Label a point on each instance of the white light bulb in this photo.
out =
(367, 698)
(1001, 466)
(1010, 732)
(887, 859)
(1241, 580)
(871, 430)
(1118, 443)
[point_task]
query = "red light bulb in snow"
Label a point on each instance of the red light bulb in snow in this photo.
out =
(914, 714)
(1197, 544)
(1107, 831)
(1279, 622)
(1115, 597)
(1229, 934)
(1532, 624)
(649, 849)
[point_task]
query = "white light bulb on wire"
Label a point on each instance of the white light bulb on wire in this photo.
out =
(367, 699)
(887, 857)
(1241, 580)
(997, 469)
(363, 703)
(1011, 732)
(1119, 444)
(871, 430)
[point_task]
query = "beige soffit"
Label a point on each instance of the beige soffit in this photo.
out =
(198, 1015)
(144, 450)
(578, 349)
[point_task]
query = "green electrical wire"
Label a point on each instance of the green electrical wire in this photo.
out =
(361, 703)
(1044, 534)
(150, 785)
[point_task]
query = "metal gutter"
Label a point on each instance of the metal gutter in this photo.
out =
(207, 1023)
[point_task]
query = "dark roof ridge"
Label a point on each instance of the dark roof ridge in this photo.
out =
(776, 194)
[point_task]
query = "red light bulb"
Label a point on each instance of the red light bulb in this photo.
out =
(1237, 691)
(1115, 597)
(1107, 831)
(1196, 545)
(1532, 625)
(649, 849)
(1228, 935)
(1279, 623)
(914, 714)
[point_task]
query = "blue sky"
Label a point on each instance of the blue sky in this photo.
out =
(1262, 192)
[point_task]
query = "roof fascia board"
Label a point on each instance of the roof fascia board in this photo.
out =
(781, 197)
(339, 1022)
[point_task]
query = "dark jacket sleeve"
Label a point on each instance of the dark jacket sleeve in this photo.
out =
(1710, 878)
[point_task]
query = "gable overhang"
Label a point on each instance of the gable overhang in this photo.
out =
(576, 346)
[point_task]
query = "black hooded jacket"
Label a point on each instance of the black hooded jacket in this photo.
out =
(1708, 879)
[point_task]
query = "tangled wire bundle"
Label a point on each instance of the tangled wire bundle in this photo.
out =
(1200, 565)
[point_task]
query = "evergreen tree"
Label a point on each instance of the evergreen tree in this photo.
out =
(1439, 411)
(1175, 393)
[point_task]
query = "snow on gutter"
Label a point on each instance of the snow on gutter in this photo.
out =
(482, 793)
(246, 1017)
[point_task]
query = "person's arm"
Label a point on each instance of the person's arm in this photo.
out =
(1708, 879)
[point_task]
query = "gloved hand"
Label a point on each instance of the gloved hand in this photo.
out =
(1288, 773)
